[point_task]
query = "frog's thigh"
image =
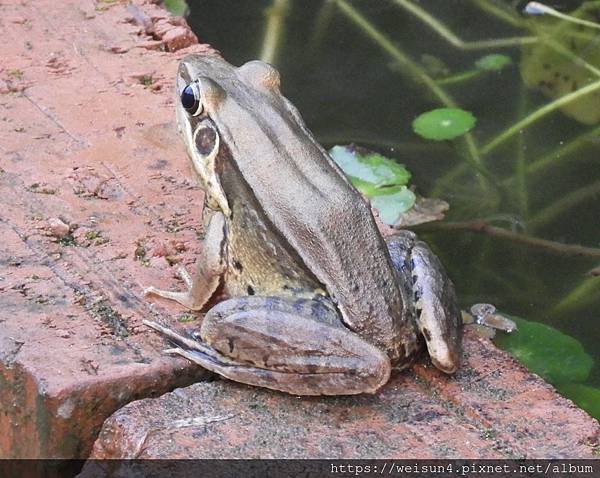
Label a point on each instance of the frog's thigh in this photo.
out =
(292, 352)
(437, 313)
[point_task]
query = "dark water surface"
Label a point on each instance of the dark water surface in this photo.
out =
(350, 89)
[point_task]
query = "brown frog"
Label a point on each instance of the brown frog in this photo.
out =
(320, 303)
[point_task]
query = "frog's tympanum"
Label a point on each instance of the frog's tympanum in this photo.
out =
(319, 303)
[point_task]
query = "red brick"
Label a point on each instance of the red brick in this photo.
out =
(485, 411)
(91, 170)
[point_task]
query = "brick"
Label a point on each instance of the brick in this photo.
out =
(91, 171)
(492, 408)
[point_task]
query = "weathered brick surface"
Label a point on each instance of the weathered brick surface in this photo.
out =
(91, 175)
(493, 408)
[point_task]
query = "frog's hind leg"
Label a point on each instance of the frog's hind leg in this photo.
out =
(285, 345)
(437, 313)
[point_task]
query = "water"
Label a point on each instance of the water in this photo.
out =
(350, 89)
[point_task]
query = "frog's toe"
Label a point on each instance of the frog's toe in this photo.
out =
(446, 359)
(150, 290)
(184, 298)
(185, 276)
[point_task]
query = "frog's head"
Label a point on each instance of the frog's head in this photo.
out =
(198, 95)
(221, 107)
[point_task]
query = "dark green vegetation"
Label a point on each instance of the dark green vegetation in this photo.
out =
(523, 230)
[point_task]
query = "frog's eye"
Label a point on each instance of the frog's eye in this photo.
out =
(190, 99)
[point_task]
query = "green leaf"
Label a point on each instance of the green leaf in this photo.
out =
(372, 168)
(177, 7)
(443, 123)
(556, 357)
(392, 202)
(585, 396)
(493, 62)
(381, 179)
(365, 188)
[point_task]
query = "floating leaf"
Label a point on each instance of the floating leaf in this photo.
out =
(380, 179)
(544, 350)
(177, 7)
(443, 123)
(392, 202)
(366, 188)
(585, 396)
(493, 62)
(372, 168)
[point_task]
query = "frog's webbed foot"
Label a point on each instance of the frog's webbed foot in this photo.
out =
(437, 314)
(283, 345)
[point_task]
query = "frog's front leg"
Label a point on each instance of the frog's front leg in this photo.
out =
(437, 314)
(295, 346)
(210, 266)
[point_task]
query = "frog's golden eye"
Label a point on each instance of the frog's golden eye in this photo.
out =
(190, 99)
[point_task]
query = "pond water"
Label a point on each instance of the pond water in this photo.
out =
(361, 71)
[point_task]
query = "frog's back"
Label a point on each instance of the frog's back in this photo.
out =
(319, 230)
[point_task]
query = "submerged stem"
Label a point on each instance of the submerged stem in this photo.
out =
(576, 59)
(500, 12)
(540, 8)
(550, 213)
(321, 25)
(483, 227)
(565, 150)
(402, 58)
(520, 165)
(452, 175)
(538, 114)
(581, 297)
(451, 37)
(273, 30)
(460, 77)
(559, 156)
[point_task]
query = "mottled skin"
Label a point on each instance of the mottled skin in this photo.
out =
(319, 305)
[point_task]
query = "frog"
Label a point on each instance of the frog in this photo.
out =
(315, 300)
